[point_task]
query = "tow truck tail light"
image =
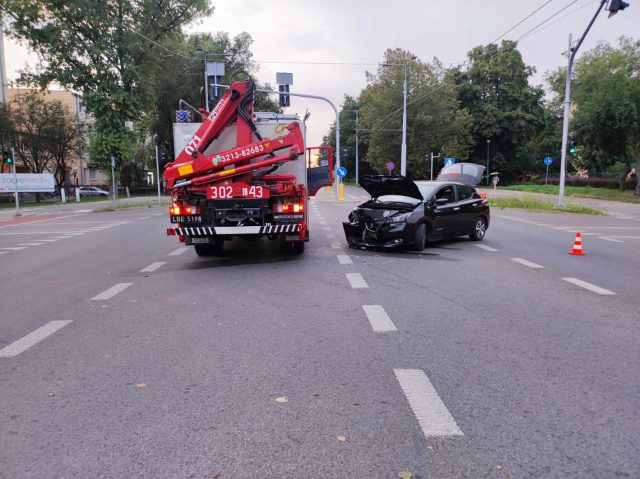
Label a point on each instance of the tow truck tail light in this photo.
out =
(184, 210)
(289, 208)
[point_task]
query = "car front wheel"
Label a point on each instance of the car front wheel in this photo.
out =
(479, 229)
(420, 237)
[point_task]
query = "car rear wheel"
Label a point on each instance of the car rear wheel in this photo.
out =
(298, 247)
(217, 247)
(479, 229)
(202, 249)
(420, 237)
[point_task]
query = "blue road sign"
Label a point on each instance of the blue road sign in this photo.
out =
(391, 166)
(548, 161)
(448, 161)
(341, 172)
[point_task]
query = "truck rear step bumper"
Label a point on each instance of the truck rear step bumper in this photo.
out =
(232, 230)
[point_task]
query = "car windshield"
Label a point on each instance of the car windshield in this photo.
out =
(397, 199)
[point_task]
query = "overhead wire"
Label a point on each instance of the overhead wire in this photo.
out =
(384, 120)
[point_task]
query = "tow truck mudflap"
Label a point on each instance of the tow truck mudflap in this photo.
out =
(235, 230)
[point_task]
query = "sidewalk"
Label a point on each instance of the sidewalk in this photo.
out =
(34, 209)
(614, 208)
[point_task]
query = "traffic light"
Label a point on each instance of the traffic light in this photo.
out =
(615, 6)
(163, 155)
(573, 149)
(285, 100)
(6, 158)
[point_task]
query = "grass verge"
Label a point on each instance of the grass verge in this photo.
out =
(579, 191)
(124, 206)
(531, 204)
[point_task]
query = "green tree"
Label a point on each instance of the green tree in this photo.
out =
(348, 138)
(605, 120)
(505, 108)
(105, 50)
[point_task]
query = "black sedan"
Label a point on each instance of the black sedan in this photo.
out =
(402, 212)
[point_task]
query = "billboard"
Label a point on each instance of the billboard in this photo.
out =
(27, 183)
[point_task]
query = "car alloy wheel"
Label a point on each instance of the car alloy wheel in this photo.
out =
(479, 230)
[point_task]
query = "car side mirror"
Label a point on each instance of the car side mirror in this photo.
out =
(442, 201)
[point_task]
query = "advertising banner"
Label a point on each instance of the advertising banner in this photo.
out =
(27, 183)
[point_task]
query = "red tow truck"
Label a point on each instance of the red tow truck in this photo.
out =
(243, 174)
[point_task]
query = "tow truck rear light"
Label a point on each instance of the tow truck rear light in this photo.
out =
(289, 208)
(184, 210)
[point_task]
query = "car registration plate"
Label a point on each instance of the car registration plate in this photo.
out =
(186, 219)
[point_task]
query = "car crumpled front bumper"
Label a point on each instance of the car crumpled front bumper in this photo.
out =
(384, 235)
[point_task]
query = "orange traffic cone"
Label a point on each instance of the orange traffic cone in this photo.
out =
(577, 245)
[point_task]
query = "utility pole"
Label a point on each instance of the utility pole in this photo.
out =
(158, 174)
(15, 181)
(431, 168)
(4, 99)
(113, 176)
(488, 144)
(403, 150)
(357, 158)
(571, 54)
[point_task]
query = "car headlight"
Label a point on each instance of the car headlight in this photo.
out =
(399, 217)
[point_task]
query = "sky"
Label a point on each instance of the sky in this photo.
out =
(288, 34)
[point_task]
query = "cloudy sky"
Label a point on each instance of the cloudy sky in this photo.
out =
(290, 34)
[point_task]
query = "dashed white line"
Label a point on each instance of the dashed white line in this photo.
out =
(336, 246)
(613, 240)
(111, 292)
(50, 240)
(30, 244)
(62, 237)
(433, 416)
(326, 228)
(525, 262)
(153, 266)
(486, 248)
(356, 280)
(3, 252)
(32, 338)
(344, 259)
(331, 236)
(589, 286)
(14, 248)
(378, 318)
(144, 217)
(178, 251)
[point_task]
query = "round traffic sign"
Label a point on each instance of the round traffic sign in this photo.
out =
(391, 166)
(548, 161)
(341, 172)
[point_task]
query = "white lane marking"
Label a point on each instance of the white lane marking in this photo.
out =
(589, 286)
(525, 262)
(627, 217)
(378, 318)
(153, 266)
(62, 237)
(326, 228)
(331, 236)
(322, 222)
(613, 240)
(433, 416)
(14, 248)
(485, 247)
(144, 217)
(3, 252)
(624, 237)
(356, 280)
(32, 338)
(50, 240)
(30, 244)
(111, 292)
(344, 259)
(336, 246)
(178, 251)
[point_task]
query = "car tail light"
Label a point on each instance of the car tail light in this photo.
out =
(184, 210)
(289, 208)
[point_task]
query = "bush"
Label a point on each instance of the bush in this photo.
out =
(594, 182)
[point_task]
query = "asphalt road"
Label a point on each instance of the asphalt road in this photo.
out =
(124, 355)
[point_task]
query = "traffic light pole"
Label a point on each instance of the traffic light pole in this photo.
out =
(571, 54)
(158, 174)
(15, 181)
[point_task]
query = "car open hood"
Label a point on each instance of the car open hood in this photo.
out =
(380, 185)
(468, 173)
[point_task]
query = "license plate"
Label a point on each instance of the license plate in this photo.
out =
(186, 219)
(237, 190)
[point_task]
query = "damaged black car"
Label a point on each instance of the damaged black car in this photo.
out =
(404, 213)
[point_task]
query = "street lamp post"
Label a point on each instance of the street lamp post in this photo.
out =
(403, 148)
(357, 160)
(488, 143)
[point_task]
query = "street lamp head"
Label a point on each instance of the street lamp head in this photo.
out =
(488, 141)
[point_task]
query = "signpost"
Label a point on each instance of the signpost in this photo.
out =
(448, 161)
(113, 176)
(548, 161)
(391, 166)
(158, 174)
(341, 172)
